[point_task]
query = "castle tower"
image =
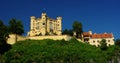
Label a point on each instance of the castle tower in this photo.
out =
(44, 23)
(32, 19)
(43, 15)
(59, 25)
(90, 32)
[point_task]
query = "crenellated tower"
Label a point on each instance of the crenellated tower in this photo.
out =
(45, 25)
(32, 19)
(59, 25)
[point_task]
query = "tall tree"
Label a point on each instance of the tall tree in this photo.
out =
(117, 42)
(77, 27)
(20, 29)
(103, 44)
(16, 27)
(3, 38)
(3, 31)
(68, 32)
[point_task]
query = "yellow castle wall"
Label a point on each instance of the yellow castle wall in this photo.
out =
(65, 37)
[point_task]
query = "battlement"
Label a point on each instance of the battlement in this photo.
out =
(59, 18)
(44, 14)
(32, 17)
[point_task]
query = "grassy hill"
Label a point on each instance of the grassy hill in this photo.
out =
(59, 51)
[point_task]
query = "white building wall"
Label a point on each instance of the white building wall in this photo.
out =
(65, 37)
(96, 41)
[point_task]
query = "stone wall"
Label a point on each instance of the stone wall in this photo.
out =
(65, 37)
(13, 38)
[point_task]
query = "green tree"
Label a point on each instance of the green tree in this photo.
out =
(77, 27)
(3, 38)
(117, 42)
(68, 32)
(16, 27)
(103, 44)
(65, 31)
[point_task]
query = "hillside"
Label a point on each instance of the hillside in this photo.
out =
(59, 51)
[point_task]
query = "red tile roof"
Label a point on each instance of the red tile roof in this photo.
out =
(86, 34)
(101, 36)
(105, 35)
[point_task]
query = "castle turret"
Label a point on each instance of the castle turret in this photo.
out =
(90, 32)
(43, 15)
(59, 25)
(32, 18)
(44, 23)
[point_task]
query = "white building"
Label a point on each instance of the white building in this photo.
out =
(94, 39)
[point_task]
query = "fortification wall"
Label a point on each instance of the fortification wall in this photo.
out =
(13, 38)
(65, 37)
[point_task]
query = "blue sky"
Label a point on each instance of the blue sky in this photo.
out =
(97, 15)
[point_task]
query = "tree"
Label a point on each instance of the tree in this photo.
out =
(68, 32)
(77, 27)
(20, 29)
(103, 44)
(3, 31)
(3, 37)
(117, 42)
(65, 31)
(16, 27)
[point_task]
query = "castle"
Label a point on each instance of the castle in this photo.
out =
(48, 28)
(45, 26)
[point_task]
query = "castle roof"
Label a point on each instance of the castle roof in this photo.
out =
(104, 35)
(86, 34)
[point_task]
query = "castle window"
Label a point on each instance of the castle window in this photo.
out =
(37, 27)
(33, 24)
(109, 45)
(98, 45)
(97, 40)
(43, 23)
(108, 40)
(37, 24)
(50, 22)
(93, 41)
(113, 39)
